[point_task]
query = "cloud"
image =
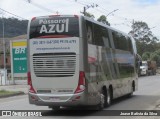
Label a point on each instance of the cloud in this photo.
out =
(146, 2)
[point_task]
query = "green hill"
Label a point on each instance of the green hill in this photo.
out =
(13, 27)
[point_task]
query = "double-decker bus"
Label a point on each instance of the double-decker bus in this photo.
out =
(76, 61)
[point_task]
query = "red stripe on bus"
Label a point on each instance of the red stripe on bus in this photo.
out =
(54, 36)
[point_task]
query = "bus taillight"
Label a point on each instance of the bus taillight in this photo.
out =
(31, 89)
(81, 83)
(29, 78)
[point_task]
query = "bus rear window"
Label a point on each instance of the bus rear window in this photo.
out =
(54, 26)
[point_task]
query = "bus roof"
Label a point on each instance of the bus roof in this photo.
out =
(49, 16)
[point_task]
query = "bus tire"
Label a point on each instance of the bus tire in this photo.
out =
(102, 101)
(100, 105)
(103, 98)
(108, 98)
(132, 89)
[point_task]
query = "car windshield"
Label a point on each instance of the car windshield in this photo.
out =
(144, 64)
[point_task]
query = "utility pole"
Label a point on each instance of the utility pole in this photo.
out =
(84, 11)
(87, 7)
(133, 29)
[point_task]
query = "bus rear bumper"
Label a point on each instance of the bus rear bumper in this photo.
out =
(57, 100)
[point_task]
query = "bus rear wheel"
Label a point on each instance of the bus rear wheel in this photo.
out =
(102, 102)
(105, 98)
(132, 89)
(108, 98)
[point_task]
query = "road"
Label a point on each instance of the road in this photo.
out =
(146, 98)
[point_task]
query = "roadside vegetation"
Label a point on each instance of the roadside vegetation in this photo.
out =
(5, 93)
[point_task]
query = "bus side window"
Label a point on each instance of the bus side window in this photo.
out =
(98, 35)
(130, 48)
(106, 39)
(121, 42)
(89, 32)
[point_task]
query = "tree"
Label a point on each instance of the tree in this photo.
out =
(145, 40)
(103, 19)
(140, 31)
(13, 27)
(157, 52)
(146, 56)
(155, 57)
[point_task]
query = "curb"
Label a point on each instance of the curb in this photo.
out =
(10, 95)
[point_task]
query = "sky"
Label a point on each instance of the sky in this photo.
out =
(126, 12)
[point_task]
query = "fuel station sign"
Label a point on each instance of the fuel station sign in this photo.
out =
(19, 56)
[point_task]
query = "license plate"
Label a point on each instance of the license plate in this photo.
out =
(54, 99)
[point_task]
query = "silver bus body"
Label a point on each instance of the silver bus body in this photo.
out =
(79, 70)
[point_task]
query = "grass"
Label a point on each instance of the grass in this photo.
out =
(5, 93)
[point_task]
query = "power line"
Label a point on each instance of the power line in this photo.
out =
(122, 24)
(129, 20)
(87, 4)
(87, 7)
(12, 14)
(99, 9)
(103, 10)
(78, 2)
(41, 7)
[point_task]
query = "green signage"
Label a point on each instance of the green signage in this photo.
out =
(19, 59)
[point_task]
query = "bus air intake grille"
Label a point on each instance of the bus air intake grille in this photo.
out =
(54, 64)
